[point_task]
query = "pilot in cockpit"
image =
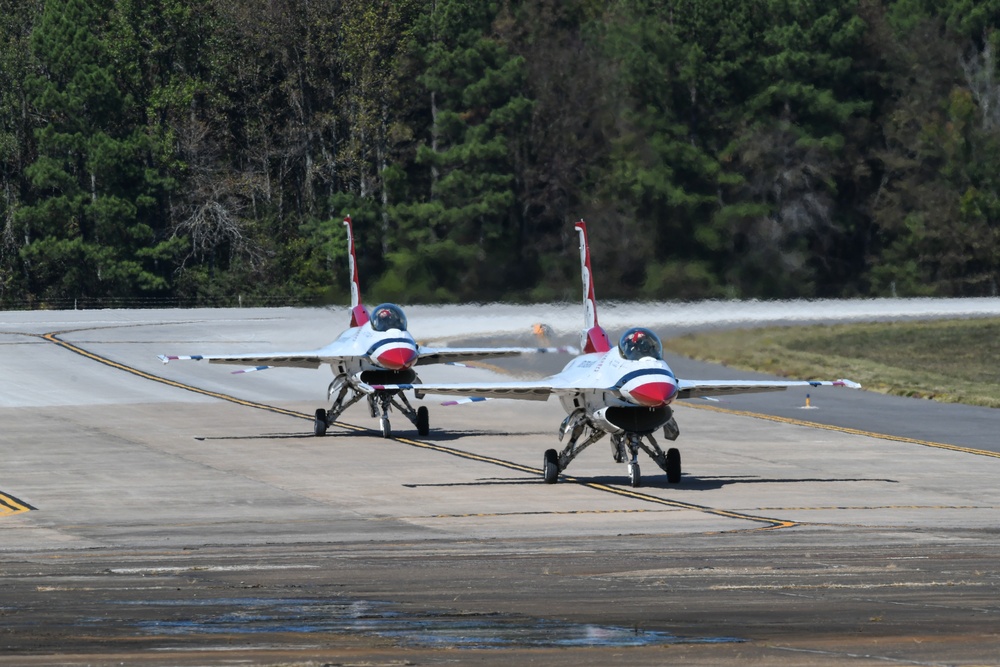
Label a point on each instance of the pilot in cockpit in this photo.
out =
(639, 343)
(388, 316)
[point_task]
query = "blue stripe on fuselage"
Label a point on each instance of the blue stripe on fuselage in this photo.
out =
(378, 344)
(645, 371)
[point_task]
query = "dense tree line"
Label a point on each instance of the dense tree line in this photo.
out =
(204, 149)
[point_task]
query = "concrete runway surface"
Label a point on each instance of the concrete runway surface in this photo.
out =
(182, 515)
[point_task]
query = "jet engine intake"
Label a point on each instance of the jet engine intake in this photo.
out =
(406, 376)
(632, 420)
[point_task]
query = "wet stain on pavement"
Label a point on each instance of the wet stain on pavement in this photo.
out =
(391, 621)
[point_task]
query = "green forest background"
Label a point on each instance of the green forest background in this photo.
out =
(158, 152)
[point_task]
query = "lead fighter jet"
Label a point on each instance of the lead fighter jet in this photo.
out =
(626, 391)
(376, 349)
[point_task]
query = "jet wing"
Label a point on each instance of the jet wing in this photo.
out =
(701, 388)
(438, 355)
(307, 359)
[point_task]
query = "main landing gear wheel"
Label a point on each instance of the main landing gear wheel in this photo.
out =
(423, 421)
(550, 468)
(634, 476)
(673, 465)
(386, 428)
(319, 426)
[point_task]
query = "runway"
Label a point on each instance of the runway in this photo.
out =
(179, 514)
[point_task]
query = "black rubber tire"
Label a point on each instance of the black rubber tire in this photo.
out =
(319, 425)
(423, 421)
(634, 475)
(550, 467)
(383, 422)
(673, 465)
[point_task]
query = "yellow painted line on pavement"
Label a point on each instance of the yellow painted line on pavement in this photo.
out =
(9, 505)
(481, 515)
(845, 429)
(54, 338)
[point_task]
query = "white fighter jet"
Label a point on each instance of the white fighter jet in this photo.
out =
(376, 349)
(625, 391)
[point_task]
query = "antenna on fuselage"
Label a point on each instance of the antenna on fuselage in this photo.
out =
(359, 315)
(594, 337)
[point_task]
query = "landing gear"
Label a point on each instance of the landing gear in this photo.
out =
(423, 421)
(340, 386)
(550, 467)
(673, 465)
(633, 441)
(380, 404)
(618, 447)
(320, 424)
(634, 476)
(625, 448)
(576, 424)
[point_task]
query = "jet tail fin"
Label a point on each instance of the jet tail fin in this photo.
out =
(359, 315)
(594, 337)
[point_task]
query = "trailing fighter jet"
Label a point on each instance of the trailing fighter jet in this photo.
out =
(625, 391)
(376, 349)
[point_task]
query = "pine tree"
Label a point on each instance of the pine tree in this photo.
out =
(465, 213)
(16, 139)
(782, 217)
(96, 195)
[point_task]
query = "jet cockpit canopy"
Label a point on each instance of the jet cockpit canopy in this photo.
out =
(387, 316)
(638, 343)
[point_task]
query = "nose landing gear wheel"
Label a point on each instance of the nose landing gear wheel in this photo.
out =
(634, 477)
(423, 421)
(386, 428)
(319, 425)
(550, 467)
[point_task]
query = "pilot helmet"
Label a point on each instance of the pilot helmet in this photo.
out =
(639, 343)
(388, 316)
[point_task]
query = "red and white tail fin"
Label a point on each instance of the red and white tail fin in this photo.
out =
(594, 337)
(359, 315)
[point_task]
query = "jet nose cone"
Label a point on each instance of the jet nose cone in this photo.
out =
(653, 394)
(396, 358)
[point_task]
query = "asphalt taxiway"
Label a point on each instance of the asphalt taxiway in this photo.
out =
(178, 514)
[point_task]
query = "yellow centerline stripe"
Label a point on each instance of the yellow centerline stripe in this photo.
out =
(845, 429)
(54, 338)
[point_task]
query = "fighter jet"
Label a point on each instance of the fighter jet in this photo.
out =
(377, 349)
(624, 391)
